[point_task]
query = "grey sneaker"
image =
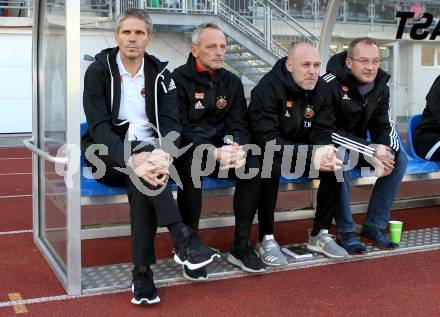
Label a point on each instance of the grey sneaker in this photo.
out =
(270, 252)
(325, 243)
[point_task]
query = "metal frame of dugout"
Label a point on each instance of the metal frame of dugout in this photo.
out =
(56, 123)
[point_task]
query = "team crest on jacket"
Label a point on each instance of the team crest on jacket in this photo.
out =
(290, 104)
(143, 92)
(221, 102)
(309, 112)
(199, 95)
(345, 88)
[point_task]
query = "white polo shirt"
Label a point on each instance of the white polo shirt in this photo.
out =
(132, 106)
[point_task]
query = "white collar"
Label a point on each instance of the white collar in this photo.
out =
(123, 71)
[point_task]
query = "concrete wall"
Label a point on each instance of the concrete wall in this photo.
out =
(421, 77)
(402, 77)
(15, 81)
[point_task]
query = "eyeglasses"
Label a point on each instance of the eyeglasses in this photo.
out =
(366, 61)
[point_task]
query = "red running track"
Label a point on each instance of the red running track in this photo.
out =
(406, 285)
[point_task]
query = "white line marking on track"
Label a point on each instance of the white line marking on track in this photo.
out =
(16, 196)
(26, 173)
(56, 298)
(15, 232)
(15, 158)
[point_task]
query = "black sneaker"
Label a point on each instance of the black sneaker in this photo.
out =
(189, 251)
(143, 288)
(195, 275)
(351, 243)
(246, 259)
(377, 237)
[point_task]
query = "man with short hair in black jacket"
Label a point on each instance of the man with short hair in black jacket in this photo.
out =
(289, 110)
(360, 97)
(427, 136)
(130, 105)
(213, 113)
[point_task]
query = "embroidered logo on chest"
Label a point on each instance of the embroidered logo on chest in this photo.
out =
(221, 102)
(345, 90)
(309, 112)
(172, 85)
(198, 105)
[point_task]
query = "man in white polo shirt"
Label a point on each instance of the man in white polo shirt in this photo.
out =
(130, 101)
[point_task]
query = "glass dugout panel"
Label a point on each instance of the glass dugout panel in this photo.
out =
(55, 141)
(52, 119)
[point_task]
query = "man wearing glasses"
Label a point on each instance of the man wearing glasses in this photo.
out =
(360, 97)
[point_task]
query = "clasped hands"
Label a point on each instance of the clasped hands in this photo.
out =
(230, 155)
(153, 167)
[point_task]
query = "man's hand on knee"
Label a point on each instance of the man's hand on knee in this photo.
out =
(153, 167)
(384, 159)
(324, 159)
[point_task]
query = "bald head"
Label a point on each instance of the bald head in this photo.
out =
(304, 63)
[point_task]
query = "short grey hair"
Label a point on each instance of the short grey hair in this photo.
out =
(195, 38)
(135, 13)
(356, 41)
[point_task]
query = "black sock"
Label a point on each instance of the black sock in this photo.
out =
(177, 229)
(239, 242)
(142, 268)
(315, 231)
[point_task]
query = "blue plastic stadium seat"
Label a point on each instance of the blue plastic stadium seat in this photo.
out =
(302, 179)
(416, 164)
(90, 187)
(413, 122)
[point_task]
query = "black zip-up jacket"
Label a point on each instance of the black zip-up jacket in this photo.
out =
(282, 111)
(102, 96)
(210, 109)
(356, 115)
(428, 131)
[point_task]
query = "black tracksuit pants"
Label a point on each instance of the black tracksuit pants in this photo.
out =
(189, 199)
(327, 198)
(146, 212)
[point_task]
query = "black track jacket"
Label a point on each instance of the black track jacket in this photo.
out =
(428, 131)
(354, 114)
(282, 111)
(102, 96)
(210, 109)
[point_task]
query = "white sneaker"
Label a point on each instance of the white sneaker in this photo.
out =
(270, 252)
